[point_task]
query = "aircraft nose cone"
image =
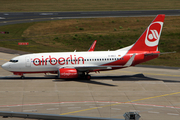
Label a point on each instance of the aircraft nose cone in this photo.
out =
(5, 66)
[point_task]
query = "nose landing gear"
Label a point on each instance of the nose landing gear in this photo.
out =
(20, 74)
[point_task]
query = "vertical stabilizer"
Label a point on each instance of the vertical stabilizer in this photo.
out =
(150, 38)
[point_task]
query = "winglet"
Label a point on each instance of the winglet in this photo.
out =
(130, 61)
(92, 46)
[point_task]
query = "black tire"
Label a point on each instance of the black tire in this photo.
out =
(22, 77)
(88, 77)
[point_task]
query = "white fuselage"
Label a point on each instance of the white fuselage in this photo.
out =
(53, 61)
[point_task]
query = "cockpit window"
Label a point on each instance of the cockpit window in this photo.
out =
(14, 61)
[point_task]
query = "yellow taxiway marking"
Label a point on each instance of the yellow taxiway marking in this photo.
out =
(4, 59)
(120, 103)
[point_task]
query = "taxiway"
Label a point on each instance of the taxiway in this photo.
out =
(152, 92)
(7, 18)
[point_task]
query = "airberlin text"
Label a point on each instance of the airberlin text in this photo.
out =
(72, 59)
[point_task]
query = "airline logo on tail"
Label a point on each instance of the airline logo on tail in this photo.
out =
(150, 38)
(153, 34)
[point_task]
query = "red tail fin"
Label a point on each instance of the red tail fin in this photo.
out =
(92, 46)
(150, 38)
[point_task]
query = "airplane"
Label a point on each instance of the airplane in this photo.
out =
(79, 64)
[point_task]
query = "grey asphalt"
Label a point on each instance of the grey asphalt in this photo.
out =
(152, 92)
(23, 17)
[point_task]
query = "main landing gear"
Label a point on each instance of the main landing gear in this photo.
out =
(22, 76)
(85, 76)
(88, 77)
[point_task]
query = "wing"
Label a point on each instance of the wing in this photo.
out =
(91, 68)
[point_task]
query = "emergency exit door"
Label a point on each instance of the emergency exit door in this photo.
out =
(28, 61)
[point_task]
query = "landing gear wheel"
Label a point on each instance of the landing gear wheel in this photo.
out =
(22, 77)
(85, 76)
(88, 77)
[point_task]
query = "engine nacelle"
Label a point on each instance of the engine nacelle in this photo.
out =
(67, 73)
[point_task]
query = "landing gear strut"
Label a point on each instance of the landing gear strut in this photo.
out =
(86, 76)
(22, 77)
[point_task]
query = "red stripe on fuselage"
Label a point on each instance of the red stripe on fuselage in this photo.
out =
(139, 58)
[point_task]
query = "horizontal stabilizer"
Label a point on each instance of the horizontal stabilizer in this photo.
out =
(148, 54)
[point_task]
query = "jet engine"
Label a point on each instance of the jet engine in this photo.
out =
(67, 73)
